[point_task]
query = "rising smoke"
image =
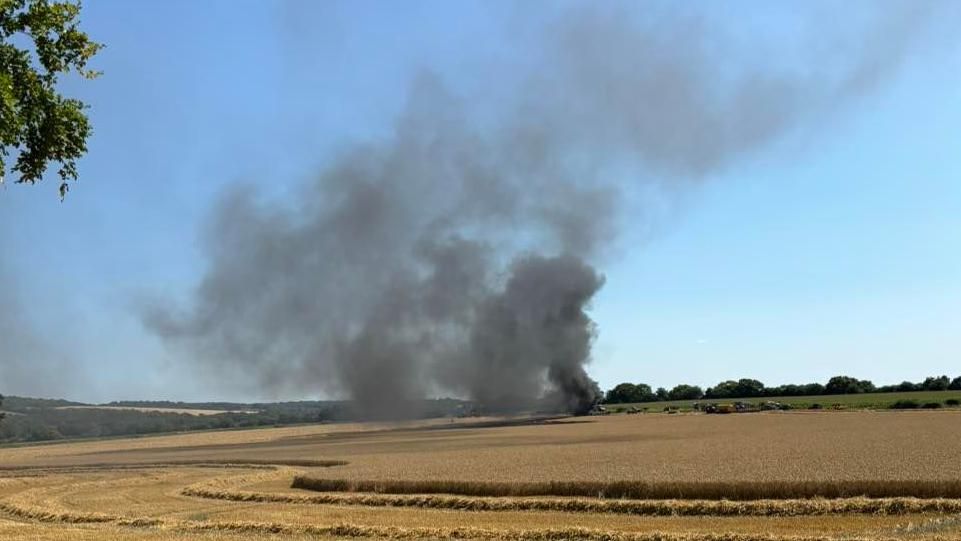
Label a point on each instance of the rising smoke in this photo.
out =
(30, 363)
(457, 255)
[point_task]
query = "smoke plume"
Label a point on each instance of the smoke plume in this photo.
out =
(30, 363)
(457, 255)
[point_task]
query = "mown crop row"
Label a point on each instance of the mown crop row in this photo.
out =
(346, 530)
(641, 490)
(73, 500)
(553, 534)
(772, 508)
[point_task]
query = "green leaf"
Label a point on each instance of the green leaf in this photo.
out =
(38, 124)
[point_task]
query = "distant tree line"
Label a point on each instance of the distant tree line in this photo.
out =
(625, 393)
(39, 419)
(54, 424)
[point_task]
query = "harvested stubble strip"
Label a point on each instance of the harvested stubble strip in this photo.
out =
(769, 508)
(393, 532)
(554, 534)
(640, 490)
(43, 515)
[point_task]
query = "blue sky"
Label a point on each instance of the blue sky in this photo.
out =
(835, 249)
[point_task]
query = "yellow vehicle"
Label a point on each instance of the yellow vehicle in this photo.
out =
(720, 408)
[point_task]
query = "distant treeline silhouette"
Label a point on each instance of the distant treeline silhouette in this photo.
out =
(626, 393)
(38, 419)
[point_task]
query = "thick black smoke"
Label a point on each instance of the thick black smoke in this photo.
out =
(456, 255)
(406, 269)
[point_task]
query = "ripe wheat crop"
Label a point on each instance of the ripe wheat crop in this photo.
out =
(727, 490)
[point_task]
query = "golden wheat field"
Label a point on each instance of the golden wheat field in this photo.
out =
(832, 475)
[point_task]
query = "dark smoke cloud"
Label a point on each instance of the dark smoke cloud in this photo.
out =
(536, 325)
(456, 256)
(385, 280)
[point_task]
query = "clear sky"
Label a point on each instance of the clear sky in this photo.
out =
(834, 249)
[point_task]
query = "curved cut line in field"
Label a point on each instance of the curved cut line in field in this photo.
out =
(640, 490)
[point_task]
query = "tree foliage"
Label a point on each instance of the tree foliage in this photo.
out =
(791, 389)
(848, 385)
(39, 41)
(38, 419)
(626, 393)
(940, 383)
(742, 388)
(685, 392)
(752, 388)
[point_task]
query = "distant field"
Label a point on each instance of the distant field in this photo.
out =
(850, 401)
(187, 411)
(514, 479)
